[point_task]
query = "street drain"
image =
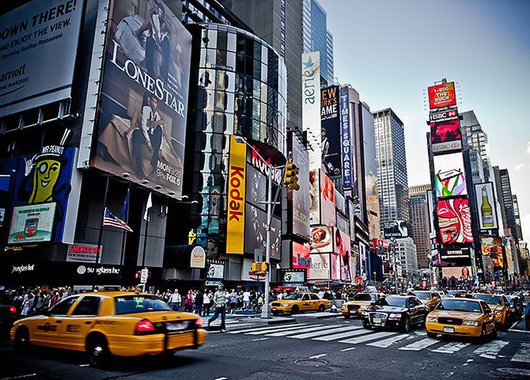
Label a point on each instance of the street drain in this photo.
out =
(310, 362)
(515, 371)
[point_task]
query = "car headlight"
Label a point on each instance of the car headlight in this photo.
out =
(365, 313)
(431, 319)
(394, 315)
(470, 323)
(285, 304)
(497, 312)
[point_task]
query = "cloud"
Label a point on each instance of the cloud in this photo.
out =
(528, 148)
(519, 167)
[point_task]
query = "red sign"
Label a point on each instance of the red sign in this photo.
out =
(301, 256)
(445, 131)
(442, 95)
(454, 220)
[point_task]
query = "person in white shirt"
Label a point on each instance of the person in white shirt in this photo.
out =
(246, 300)
(206, 302)
(175, 299)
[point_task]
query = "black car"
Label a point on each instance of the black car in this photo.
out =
(400, 312)
(8, 313)
(516, 307)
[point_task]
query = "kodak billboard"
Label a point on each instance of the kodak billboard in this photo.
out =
(235, 225)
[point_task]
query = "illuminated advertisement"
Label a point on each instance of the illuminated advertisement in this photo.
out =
(256, 232)
(443, 115)
(331, 131)
(335, 262)
(492, 246)
(451, 254)
(321, 239)
(449, 175)
(343, 249)
(395, 229)
(487, 212)
(301, 256)
(454, 221)
(327, 201)
(235, 218)
(144, 101)
(39, 44)
(442, 95)
(290, 276)
(314, 196)
(33, 223)
(460, 273)
(346, 119)
(445, 131)
(320, 267)
(311, 105)
(301, 203)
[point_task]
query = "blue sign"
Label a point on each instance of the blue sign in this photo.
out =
(345, 139)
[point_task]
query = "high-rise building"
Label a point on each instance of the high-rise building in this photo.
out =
(268, 20)
(406, 254)
(370, 172)
(475, 138)
(419, 223)
(316, 37)
(391, 166)
(508, 200)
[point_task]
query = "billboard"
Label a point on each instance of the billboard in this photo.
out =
(235, 218)
(449, 175)
(301, 256)
(320, 267)
(314, 196)
(451, 254)
(301, 203)
(144, 100)
(346, 120)
(443, 115)
(343, 249)
(454, 221)
(311, 105)
(445, 131)
(321, 239)
(290, 276)
(38, 53)
(492, 246)
(460, 273)
(487, 212)
(32, 223)
(256, 232)
(83, 253)
(442, 95)
(331, 130)
(327, 201)
(395, 229)
(335, 263)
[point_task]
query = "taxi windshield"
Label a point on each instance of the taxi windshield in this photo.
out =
(492, 300)
(460, 305)
(295, 297)
(423, 295)
(139, 304)
(363, 297)
(392, 301)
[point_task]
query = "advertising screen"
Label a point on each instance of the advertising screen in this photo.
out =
(33, 223)
(445, 131)
(215, 270)
(454, 221)
(39, 47)
(144, 101)
(301, 256)
(492, 246)
(321, 239)
(300, 201)
(314, 196)
(442, 95)
(449, 175)
(327, 201)
(451, 254)
(256, 232)
(397, 229)
(292, 276)
(346, 120)
(487, 212)
(343, 249)
(460, 273)
(335, 262)
(331, 131)
(320, 266)
(311, 105)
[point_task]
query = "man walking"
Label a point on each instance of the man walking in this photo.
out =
(174, 300)
(220, 298)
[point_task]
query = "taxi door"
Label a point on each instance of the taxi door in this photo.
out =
(47, 331)
(80, 321)
(315, 301)
(306, 303)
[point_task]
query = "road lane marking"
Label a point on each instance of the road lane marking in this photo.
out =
(282, 329)
(320, 333)
(19, 376)
(317, 356)
(388, 342)
(365, 338)
(515, 323)
(490, 350)
(259, 339)
(221, 378)
(420, 344)
(348, 349)
(262, 328)
(284, 333)
(84, 365)
(523, 354)
(357, 331)
(451, 348)
(521, 331)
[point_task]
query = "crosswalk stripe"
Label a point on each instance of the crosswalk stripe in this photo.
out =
(356, 331)
(420, 344)
(261, 328)
(523, 354)
(367, 337)
(283, 330)
(319, 333)
(284, 333)
(389, 341)
(490, 350)
(451, 347)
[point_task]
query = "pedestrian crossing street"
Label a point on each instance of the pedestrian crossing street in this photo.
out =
(413, 341)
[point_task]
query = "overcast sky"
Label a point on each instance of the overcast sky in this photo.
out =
(390, 51)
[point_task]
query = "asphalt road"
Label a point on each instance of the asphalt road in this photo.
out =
(310, 348)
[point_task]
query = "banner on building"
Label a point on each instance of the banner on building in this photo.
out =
(321, 239)
(442, 95)
(454, 221)
(346, 121)
(331, 131)
(320, 266)
(235, 218)
(314, 196)
(311, 106)
(343, 248)
(449, 175)
(301, 256)
(328, 215)
(487, 211)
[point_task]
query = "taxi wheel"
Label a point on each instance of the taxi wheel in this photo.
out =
(321, 308)
(493, 334)
(432, 335)
(295, 310)
(97, 350)
(406, 325)
(21, 343)
(347, 316)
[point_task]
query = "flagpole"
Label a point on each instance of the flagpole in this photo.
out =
(126, 220)
(98, 253)
(147, 209)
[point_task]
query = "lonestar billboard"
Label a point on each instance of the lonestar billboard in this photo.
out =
(235, 225)
(442, 95)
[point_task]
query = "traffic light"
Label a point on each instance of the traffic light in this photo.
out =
(291, 176)
(258, 268)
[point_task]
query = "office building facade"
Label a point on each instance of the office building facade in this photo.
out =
(419, 223)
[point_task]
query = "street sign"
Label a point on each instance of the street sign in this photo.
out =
(143, 276)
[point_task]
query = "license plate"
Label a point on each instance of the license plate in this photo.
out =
(176, 326)
(449, 329)
(274, 309)
(377, 320)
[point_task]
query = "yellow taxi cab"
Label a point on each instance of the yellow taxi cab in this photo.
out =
(110, 323)
(499, 304)
(359, 302)
(429, 298)
(461, 317)
(299, 302)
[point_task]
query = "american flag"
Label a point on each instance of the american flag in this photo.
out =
(110, 220)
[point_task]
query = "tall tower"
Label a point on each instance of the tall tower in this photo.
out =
(420, 222)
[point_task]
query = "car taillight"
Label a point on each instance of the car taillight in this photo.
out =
(198, 322)
(13, 310)
(144, 326)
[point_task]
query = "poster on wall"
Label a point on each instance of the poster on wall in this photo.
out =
(487, 212)
(327, 201)
(454, 221)
(449, 175)
(320, 266)
(311, 105)
(343, 248)
(442, 95)
(314, 196)
(39, 43)
(144, 100)
(321, 239)
(492, 246)
(33, 223)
